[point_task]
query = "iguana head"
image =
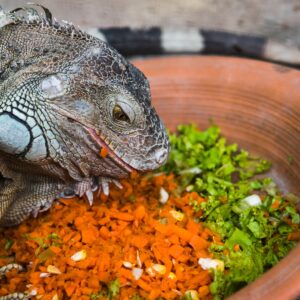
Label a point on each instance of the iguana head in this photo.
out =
(74, 115)
(70, 95)
(103, 96)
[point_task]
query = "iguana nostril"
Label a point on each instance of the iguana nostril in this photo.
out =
(161, 156)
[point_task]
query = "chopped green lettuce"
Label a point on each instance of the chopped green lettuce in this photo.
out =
(110, 293)
(225, 176)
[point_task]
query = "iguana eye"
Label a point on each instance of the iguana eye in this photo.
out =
(119, 114)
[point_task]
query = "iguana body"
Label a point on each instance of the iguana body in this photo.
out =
(64, 96)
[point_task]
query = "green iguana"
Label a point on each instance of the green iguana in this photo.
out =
(65, 95)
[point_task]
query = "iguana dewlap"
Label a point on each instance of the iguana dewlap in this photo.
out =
(65, 95)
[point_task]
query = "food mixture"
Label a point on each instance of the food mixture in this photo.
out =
(201, 227)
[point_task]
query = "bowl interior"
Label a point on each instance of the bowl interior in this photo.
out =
(257, 105)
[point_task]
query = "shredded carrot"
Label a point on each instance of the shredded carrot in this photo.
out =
(85, 248)
(203, 291)
(275, 204)
(236, 247)
(103, 152)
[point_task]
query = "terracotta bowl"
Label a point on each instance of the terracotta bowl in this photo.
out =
(257, 105)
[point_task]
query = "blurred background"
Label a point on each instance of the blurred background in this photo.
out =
(276, 19)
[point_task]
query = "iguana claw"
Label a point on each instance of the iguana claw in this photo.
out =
(89, 186)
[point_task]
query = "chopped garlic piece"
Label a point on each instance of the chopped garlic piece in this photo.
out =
(164, 196)
(78, 256)
(193, 294)
(150, 271)
(177, 215)
(253, 200)
(156, 269)
(127, 264)
(138, 259)
(194, 170)
(189, 188)
(172, 276)
(177, 292)
(55, 297)
(137, 273)
(44, 275)
(53, 270)
(33, 292)
(209, 263)
(160, 269)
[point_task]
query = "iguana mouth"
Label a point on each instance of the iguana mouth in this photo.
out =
(96, 137)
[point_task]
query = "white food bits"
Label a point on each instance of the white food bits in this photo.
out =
(194, 170)
(150, 271)
(44, 275)
(192, 294)
(209, 263)
(55, 297)
(78, 256)
(164, 196)
(189, 188)
(33, 292)
(138, 259)
(157, 269)
(177, 215)
(53, 270)
(127, 264)
(172, 276)
(160, 269)
(137, 273)
(177, 292)
(253, 200)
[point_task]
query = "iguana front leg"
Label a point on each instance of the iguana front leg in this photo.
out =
(25, 196)
(16, 205)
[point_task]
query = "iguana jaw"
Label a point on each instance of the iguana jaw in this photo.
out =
(96, 137)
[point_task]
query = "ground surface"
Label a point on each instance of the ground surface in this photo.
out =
(278, 19)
